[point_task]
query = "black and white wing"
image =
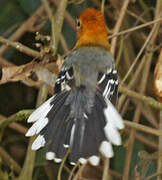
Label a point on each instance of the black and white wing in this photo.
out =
(108, 85)
(64, 79)
(63, 121)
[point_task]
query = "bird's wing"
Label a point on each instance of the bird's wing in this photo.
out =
(108, 85)
(63, 80)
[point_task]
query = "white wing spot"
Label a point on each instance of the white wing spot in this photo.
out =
(82, 160)
(42, 111)
(38, 143)
(57, 160)
(112, 134)
(68, 76)
(106, 149)
(72, 134)
(66, 145)
(50, 155)
(85, 115)
(101, 80)
(94, 160)
(37, 126)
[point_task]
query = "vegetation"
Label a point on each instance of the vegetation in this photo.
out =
(35, 36)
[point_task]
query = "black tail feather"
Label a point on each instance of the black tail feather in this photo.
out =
(87, 144)
(77, 139)
(57, 138)
(80, 130)
(99, 123)
(54, 117)
(67, 132)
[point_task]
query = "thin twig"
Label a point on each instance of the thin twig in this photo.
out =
(59, 18)
(135, 28)
(154, 175)
(139, 18)
(159, 162)
(25, 27)
(28, 167)
(118, 25)
(105, 175)
(148, 114)
(102, 6)
(62, 165)
(9, 160)
(53, 26)
(136, 119)
(147, 100)
(19, 116)
(79, 173)
(20, 47)
(73, 170)
(144, 139)
(131, 83)
(5, 63)
(143, 128)
(150, 40)
(70, 20)
(16, 126)
(64, 44)
(140, 52)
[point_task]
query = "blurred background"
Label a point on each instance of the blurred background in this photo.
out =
(27, 77)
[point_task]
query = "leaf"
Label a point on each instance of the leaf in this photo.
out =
(158, 78)
(14, 73)
(45, 71)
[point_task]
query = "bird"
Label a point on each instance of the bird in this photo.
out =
(81, 118)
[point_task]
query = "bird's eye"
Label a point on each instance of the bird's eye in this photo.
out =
(78, 23)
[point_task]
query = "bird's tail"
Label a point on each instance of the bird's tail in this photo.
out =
(70, 120)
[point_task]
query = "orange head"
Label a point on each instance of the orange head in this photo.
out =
(92, 29)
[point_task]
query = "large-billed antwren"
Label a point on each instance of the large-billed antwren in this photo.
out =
(81, 114)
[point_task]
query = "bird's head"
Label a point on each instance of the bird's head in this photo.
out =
(91, 29)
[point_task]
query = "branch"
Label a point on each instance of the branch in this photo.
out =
(5, 63)
(26, 26)
(16, 126)
(53, 25)
(141, 50)
(19, 116)
(145, 99)
(59, 18)
(70, 20)
(143, 128)
(28, 167)
(118, 25)
(148, 55)
(102, 6)
(7, 159)
(135, 28)
(159, 162)
(20, 47)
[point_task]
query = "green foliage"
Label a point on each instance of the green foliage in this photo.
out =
(40, 157)
(3, 174)
(29, 6)
(10, 15)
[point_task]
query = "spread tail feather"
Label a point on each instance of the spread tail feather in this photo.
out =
(68, 121)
